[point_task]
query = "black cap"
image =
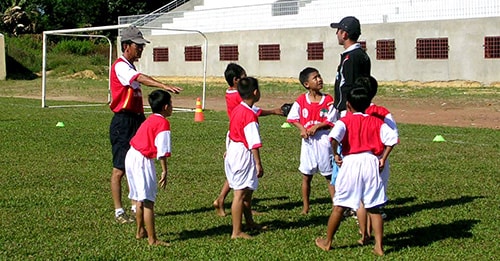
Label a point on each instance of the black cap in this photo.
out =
(350, 24)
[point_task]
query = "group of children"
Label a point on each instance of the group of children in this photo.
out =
(359, 168)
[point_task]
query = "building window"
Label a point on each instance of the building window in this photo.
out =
(160, 54)
(192, 53)
(315, 51)
(386, 49)
(228, 53)
(363, 45)
(432, 48)
(491, 47)
(269, 52)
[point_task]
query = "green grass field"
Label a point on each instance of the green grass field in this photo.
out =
(56, 203)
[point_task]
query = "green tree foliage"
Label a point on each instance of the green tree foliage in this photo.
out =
(43, 15)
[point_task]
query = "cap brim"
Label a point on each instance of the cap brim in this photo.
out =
(140, 41)
(335, 25)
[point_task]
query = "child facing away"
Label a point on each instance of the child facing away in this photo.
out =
(233, 74)
(151, 141)
(242, 163)
(371, 85)
(313, 114)
(366, 144)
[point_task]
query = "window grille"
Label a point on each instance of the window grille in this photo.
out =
(160, 54)
(269, 52)
(432, 48)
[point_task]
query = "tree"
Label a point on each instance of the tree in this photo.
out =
(19, 18)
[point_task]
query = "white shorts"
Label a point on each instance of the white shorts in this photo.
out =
(359, 180)
(315, 154)
(240, 168)
(141, 176)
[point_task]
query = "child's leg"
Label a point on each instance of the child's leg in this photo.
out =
(149, 221)
(139, 218)
(378, 229)
(237, 209)
(362, 222)
(333, 226)
(219, 202)
(331, 188)
(306, 192)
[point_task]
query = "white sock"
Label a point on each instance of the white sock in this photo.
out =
(119, 211)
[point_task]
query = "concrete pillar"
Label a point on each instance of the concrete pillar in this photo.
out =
(3, 68)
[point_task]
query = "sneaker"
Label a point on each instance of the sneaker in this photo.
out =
(124, 218)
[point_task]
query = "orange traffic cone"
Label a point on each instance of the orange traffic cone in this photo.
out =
(198, 112)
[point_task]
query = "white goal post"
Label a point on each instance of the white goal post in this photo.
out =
(76, 32)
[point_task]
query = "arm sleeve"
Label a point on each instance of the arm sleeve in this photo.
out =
(338, 131)
(252, 135)
(126, 75)
(388, 136)
(162, 143)
(294, 114)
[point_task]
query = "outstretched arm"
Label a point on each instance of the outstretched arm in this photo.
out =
(149, 81)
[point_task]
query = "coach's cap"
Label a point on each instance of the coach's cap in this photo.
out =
(350, 24)
(133, 34)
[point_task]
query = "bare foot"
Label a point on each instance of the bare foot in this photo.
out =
(219, 208)
(323, 244)
(256, 213)
(255, 227)
(141, 235)
(363, 241)
(378, 252)
(159, 243)
(305, 211)
(241, 235)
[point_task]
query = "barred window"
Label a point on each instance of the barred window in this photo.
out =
(491, 47)
(363, 45)
(269, 52)
(315, 51)
(160, 54)
(228, 53)
(386, 49)
(432, 48)
(192, 53)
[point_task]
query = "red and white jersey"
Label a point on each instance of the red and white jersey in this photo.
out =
(153, 137)
(233, 99)
(244, 126)
(309, 113)
(360, 132)
(126, 93)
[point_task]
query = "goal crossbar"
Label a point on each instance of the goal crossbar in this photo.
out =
(76, 32)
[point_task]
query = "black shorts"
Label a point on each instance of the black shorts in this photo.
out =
(123, 127)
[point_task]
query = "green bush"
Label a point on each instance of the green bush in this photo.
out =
(75, 47)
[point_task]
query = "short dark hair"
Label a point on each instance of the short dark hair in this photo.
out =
(123, 43)
(158, 99)
(358, 99)
(247, 86)
(232, 71)
(304, 74)
(369, 83)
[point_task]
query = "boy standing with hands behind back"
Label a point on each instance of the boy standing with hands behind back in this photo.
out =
(313, 114)
(242, 162)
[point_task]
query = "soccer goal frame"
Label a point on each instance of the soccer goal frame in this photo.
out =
(78, 32)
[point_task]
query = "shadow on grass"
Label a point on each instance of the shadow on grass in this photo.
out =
(424, 236)
(227, 206)
(394, 212)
